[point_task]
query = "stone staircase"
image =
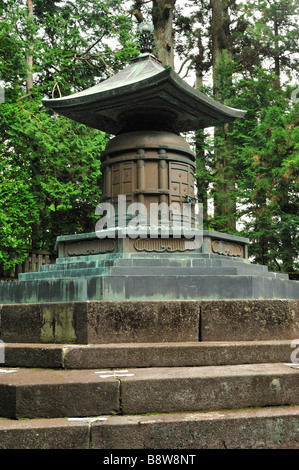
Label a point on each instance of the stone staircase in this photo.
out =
(150, 375)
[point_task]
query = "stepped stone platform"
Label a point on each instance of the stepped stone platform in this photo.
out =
(149, 276)
(127, 350)
(150, 375)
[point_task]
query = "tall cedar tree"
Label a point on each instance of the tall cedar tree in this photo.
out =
(257, 36)
(266, 141)
(224, 185)
(191, 38)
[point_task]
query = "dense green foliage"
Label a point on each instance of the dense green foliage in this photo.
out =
(50, 167)
(249, 171)
(265, 163)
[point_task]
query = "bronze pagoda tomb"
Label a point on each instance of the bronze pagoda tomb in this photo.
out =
(147, 163)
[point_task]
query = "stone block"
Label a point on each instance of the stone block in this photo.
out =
(144, 321)
(42, 393)
(162, 390)
(100, 322)
(43, 434)
(63, 322)
(134, 355)
(34, 355)
(249, 320)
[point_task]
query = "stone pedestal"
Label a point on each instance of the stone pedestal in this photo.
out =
(86, 271)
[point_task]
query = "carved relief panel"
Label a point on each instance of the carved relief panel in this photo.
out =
(123, 180)
(181, 179)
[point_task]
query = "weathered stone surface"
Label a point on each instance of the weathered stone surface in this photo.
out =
(161, 390)
(177, 354)
(133, 355)
(227, 320)
(269, 428)
(43, 434)
(106, 322)
(118, 322)
(33, 355)
(46, 290)
(43, 323)
(34, 393)
(100, 322)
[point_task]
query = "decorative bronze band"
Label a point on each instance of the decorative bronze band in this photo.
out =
(94, 247)
(133, 157)
(152, 191)
(227, 249)
(161, 245)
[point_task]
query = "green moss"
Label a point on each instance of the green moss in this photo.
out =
(58, 324)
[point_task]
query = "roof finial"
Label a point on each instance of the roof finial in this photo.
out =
(146, 39)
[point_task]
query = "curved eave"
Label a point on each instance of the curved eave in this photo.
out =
(221, 110)
(163, 90)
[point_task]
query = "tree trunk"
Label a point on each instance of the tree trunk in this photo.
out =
(201, 169)
(164, 34)
(221, 41)
(287, 252)
(201, 177)
(276, 52)
(224, 186)
(29, 58)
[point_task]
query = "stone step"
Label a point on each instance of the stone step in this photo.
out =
(153, 271)
(166, 390)
(275, 428)
(241, 264)
(175, 255)
(44, 393)
(143, 257)
(77, 265)
(143, 355)
(150, 266)
(195, 270)
(183, 262)
(75, 285)
(161, 271)
(88, 258)
(66, 269)
(64, 274)
(260, 428)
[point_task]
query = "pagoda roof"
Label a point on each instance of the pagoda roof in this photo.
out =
(143, 95)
